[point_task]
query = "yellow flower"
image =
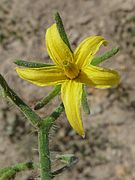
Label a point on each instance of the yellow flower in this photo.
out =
(71, 70)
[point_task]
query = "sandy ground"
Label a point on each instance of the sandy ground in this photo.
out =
(108, 152)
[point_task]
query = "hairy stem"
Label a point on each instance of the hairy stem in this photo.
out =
(44, 154)
(49, 121)
(9, 172)
(27, 111)
(48, 98)
(43, 140)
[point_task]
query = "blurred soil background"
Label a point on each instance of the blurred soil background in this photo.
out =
(108, 151)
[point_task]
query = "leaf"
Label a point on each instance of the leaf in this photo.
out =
(68, 158)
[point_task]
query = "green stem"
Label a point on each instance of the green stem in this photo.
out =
(49, 121)
(43, 125)
(48, 98)
(44, 154)
(43, 140)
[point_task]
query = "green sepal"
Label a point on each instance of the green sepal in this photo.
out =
(84, 102)
(31, 64)
(61, 30)
(105, 56)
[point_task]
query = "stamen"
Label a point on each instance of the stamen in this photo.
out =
(71, 70)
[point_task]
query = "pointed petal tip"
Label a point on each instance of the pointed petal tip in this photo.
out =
(105, 43)
(17, 70)
(83, 136)
(81, 133)
(87, 49)
(56, 47)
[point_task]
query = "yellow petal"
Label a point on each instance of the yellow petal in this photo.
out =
(71, 96)
(42, 76)
(99, 77)
(57, 49)
(87, 49)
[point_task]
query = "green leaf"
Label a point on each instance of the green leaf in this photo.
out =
(67, 158)
(61, 30)
(31, 64)
(105, 56)
(85, 104)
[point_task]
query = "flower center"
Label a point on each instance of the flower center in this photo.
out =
(71, 70)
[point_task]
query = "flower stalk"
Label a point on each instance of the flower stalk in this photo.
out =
(48, 98)
(44, 153)
(43, 126)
